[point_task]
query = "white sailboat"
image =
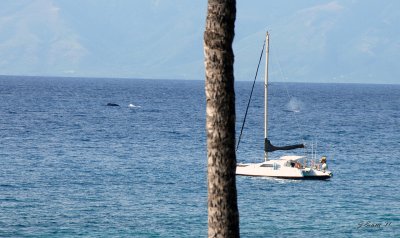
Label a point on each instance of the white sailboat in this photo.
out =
(286, 167)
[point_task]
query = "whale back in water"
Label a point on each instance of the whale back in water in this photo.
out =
(112, 105)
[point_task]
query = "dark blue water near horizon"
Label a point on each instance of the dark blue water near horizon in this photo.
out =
(71, 166)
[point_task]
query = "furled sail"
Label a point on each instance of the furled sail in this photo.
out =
(268, 147)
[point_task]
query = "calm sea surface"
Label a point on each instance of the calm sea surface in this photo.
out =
(71, 166)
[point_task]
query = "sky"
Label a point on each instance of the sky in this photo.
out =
(343, 41)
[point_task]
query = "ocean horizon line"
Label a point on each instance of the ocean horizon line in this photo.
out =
(183, 79)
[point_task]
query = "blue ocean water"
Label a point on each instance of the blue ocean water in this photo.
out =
(71, 166)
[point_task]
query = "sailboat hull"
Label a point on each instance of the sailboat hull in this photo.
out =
(283, 168)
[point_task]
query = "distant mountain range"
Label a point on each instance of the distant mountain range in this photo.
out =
(312, 41)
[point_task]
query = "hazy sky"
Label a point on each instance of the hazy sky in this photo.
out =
(311, 41)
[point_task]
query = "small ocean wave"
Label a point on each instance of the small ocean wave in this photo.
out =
(7, 186)
(271, 179)
(279, 180)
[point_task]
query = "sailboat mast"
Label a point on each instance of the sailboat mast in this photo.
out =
(266, 93)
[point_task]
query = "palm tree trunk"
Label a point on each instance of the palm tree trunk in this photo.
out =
(223, 215)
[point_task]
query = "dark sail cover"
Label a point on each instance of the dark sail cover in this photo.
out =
(268, 147)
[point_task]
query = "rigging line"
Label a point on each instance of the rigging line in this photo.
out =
(314, 134)
(251, 93)
(288, 94)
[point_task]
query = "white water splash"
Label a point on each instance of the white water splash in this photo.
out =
(133, 106)
(294, 105)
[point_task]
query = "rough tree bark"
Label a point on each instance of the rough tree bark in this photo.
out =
(223, 215)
